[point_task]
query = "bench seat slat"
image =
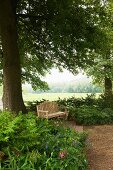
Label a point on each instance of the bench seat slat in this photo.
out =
(56, 114)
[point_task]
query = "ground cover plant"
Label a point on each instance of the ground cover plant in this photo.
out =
(30, 143)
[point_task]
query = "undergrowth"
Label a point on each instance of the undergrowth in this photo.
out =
(30, 143)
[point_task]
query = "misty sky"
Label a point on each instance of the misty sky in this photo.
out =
(57, 76)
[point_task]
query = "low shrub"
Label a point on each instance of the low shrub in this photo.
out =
(30, 143)
(31, 106)
(90, 100)
(93, 116)
(105, 101)
(91, 110)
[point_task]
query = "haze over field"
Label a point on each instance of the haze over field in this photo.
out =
(66, 82)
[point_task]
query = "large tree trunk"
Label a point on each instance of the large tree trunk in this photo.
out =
(12, 90)
(108, 86)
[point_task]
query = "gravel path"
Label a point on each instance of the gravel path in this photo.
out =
(72, 124)
(100, 147)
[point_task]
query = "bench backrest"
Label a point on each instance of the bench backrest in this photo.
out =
(51, 107)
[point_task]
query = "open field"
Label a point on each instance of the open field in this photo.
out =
(53, 96)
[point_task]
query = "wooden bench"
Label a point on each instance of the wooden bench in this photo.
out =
(50, 110)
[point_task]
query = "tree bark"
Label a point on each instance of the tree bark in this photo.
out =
(12, 89)
(108, 86)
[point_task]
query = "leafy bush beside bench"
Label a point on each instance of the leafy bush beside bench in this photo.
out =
(90, 110)
(93, 116)
(30, 143)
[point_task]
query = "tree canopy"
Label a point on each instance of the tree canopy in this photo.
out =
(44, 33)
(59, 33)
(102, 68)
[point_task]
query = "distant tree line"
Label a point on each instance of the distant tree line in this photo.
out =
(72, 88)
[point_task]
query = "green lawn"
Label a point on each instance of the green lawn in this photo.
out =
(52, 96)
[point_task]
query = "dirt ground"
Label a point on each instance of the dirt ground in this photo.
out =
(100, 147)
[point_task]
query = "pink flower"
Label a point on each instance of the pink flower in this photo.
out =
(62, 154)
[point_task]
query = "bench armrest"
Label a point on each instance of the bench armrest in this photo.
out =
(65, 110)
(42, 113)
